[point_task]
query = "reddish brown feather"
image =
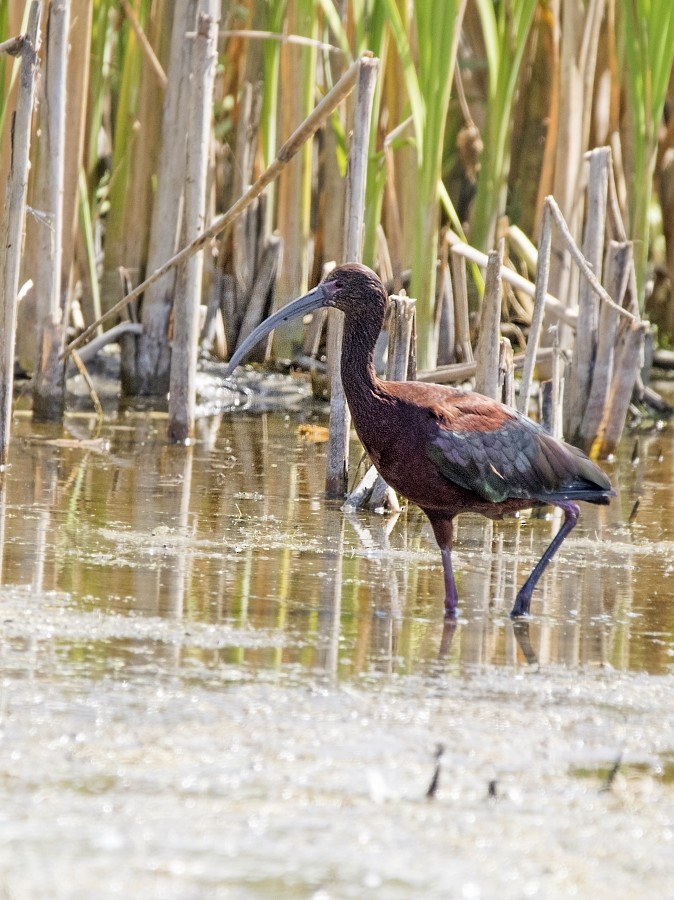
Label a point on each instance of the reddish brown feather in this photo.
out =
(451, 407)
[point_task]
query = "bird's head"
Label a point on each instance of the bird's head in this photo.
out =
(352, 288)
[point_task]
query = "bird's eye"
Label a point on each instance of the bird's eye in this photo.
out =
(338, 284)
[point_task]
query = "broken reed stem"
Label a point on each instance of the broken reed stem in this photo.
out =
(445, 311)
(461, 318)
(628, 360)
(111, 336)
(464, 371)
(182, 386)
(11, 233)
(617, 232)
(618, 266)
(297, 139)
(167, 216)
(336, 477)
(581, 263)
(580, 378)
(363, 489)
(506, 373)
(13, 46)
(533, 339)
(551, 392)
(557, 386)
(552, 305)
(487, 355)
(401, 334)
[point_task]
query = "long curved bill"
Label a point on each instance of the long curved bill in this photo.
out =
(315, 299)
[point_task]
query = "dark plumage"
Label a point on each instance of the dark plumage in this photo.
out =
(447, 450)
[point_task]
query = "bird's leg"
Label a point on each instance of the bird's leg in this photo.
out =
(523, 599)
(451, 594)
(443, 529)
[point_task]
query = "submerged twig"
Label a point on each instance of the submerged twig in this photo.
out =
(435, 780)
(610, 778)
(82, 369)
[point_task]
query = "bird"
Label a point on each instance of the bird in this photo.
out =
(446, 449)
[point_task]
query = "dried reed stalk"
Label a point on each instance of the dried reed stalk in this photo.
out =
(182, 395)
(256, 255)
(243, 253)
(627, 362)
(487, 355)
(579, 382)
(340, 419)
(461, 319)
(298, 71)
(465, 371)
(506, 373)
(579, 260)
(302, 134)
(49, 384)
(557, 382)
(618, 267)
(149, 369)
(533, 338)
(552, 305)
(629, 348)
(76, 117)
(130, 196)
(260, 297)
(580, 29)
(444, 311)
(11, 233)
(145, 45)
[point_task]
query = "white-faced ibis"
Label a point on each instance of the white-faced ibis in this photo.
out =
(447, 450)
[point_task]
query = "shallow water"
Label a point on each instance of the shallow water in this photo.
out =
(215, 683)
(234, 533)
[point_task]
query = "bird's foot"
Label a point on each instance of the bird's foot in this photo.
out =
(521, 606)
(451, 612)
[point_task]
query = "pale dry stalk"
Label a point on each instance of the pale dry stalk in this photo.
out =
(13, 220)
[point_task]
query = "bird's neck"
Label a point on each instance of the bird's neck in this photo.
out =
(361, 385)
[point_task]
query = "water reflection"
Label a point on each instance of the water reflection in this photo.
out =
(228, 552)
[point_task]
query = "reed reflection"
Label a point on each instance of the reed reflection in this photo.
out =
(235, 532)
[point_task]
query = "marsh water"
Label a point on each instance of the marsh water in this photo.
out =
(217, 683)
